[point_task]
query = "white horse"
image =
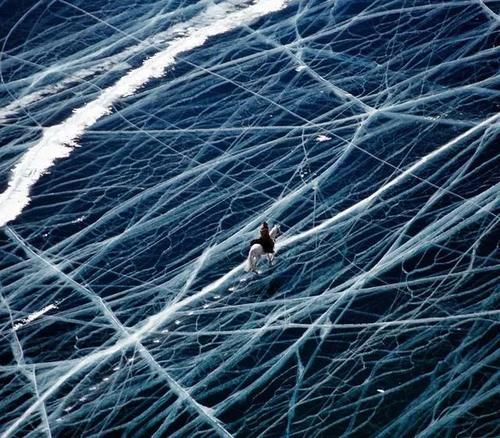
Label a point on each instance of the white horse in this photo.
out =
(256, 251)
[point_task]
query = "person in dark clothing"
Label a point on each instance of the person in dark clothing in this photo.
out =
(264, 245)
(265, 239)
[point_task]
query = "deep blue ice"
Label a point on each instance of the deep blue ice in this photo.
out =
(142, 143)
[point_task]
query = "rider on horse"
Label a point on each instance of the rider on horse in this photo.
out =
(264, 245)
(265, 240)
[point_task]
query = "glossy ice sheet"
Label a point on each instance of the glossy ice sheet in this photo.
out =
(141, 145)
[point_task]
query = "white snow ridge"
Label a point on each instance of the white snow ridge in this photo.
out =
(58, 141)
(33, 316)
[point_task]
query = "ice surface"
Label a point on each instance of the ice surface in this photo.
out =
(140, 147)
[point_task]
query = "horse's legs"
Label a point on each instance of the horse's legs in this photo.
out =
(270, 258)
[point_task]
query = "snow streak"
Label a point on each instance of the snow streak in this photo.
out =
(57, 141)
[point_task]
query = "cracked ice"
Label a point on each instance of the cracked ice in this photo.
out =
(141, 145)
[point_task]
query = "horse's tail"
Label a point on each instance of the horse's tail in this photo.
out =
(253, 256)
(248, 265)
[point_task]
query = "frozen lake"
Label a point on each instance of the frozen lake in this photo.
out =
(142, 143)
